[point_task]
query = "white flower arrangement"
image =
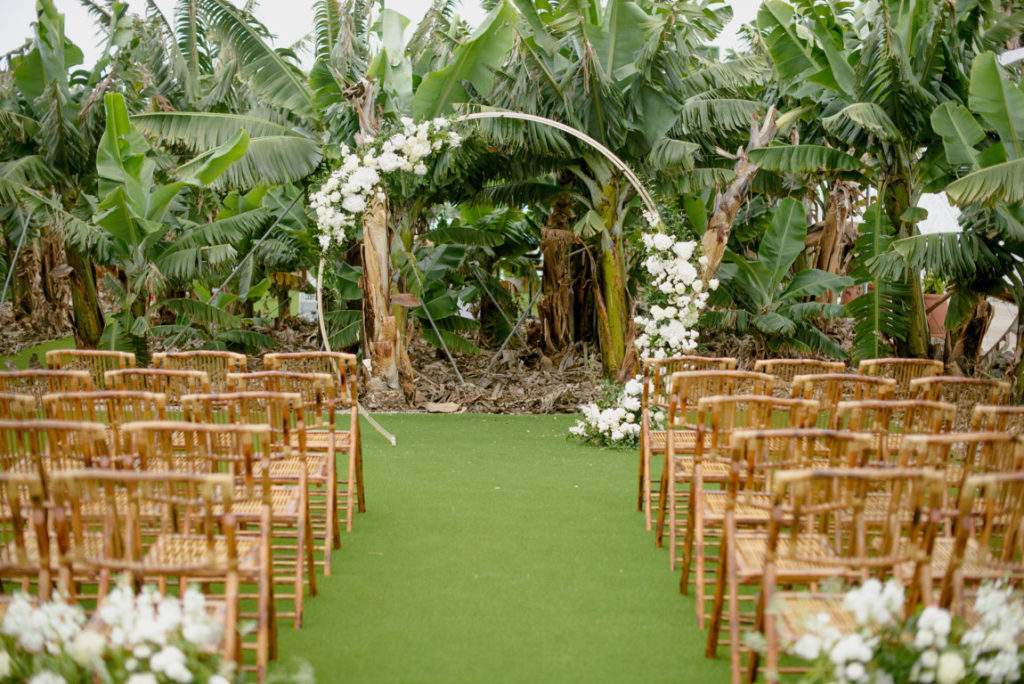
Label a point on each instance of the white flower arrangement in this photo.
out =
(930, 647)
(352, 188)
(615, 421)
(140, 639)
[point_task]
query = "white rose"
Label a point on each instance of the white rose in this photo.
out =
(5, 664)
(354, 204)
(929, 659)
(87, 648)
(142, 678)
(855, 672)
(713, 284)
(420, 169)
(47, 677)
(951, 668)
(663, 242)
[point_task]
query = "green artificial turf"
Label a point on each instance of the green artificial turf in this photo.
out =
(21, 359)
(495, 550)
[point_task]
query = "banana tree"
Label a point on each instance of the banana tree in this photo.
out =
(766, 296)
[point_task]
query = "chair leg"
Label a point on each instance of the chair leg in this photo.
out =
(659, 533)
(711, 647)
(754, 660)
(698, 567)
(360, 493)
(641, 498)
(684, 578)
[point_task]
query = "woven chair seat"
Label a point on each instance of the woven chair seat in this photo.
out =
(92, 546)
(291, 468)
(283, 501)
(713, 471)
(98, 508)
(715, 504)
(319, 439)
(190, 550)
(685, 440)
(796, 613)
(751, 550)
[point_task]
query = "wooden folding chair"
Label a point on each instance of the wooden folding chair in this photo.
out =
(197, 540)
(173, 384)
(991, 418)
(657, 387)
(828, 389)
(785, 370)
(43, 447)
(888, 421)
(966, 393)
(282, 413)
(686, 389)
(755, 455)
(901, 370)
(113, 408)
(25, 547)
(989, 544)
(341, 499)
(95, 361)
(14, 406)
(710, 464)
(37, 382)
(899, 547)
(216, 364)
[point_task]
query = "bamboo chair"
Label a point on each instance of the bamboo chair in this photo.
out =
(38, 382)
(901, 370)
(14, 406)
(43, 447)
(173, 384)
(113, 408)
(785, 370)
(282, 413)
(340, 498)
(989, 418)
(197, 541)
(989, 543)
(828, 389)
(889, 421)
(657, 387)
(95, 361)
(25, 548)
(216, 364)
(901, 547)
(755, 456)
(687, 389)
(244, 451)
(966, 393)
(717, 418)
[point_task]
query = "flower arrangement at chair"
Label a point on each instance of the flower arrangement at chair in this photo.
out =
(930, 646)
(350, 189)
(675, 296)
(142, 638)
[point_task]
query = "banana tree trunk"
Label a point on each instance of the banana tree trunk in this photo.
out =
(1017, 374)
(615, 314)
(555, 305)
(897, 201)
(380, 329)
(729, 201)
(85, 305)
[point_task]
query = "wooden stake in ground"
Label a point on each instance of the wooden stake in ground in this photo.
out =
(729, 201)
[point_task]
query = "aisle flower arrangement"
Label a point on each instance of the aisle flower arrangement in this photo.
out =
(931, 646)
(142, 638)
(675, 296)
(360, 180)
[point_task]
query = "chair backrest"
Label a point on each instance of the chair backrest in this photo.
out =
(95, 361)
(46, 446)
(14, 406)
(111, 407)
(216, 364)
(721, 415)
(281, 411)
(785, 370)
(688, 387)
(24, 537)
(991, 515)
(316, 389)
(658, 373)
(966, 393)
(901, 370)
(962, 454)
(173, 384)
(888, 421)
(39, 382)
(341, 366)
(200, 447)
(888, 518)
(759, 455)
(831, 388)
(992, 418)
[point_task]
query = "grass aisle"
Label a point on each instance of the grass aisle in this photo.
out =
(494, 549)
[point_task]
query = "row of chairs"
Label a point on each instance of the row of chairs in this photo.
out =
(273, 432)
(732, 434)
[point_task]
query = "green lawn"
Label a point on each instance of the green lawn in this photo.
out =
(21, 359)
(494, 549)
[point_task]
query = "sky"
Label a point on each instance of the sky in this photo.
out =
(290, 20)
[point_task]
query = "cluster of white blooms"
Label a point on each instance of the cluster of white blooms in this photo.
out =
(675, 295)
(987, 652)
(144, 627)
(352, 187)
(615, 422)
